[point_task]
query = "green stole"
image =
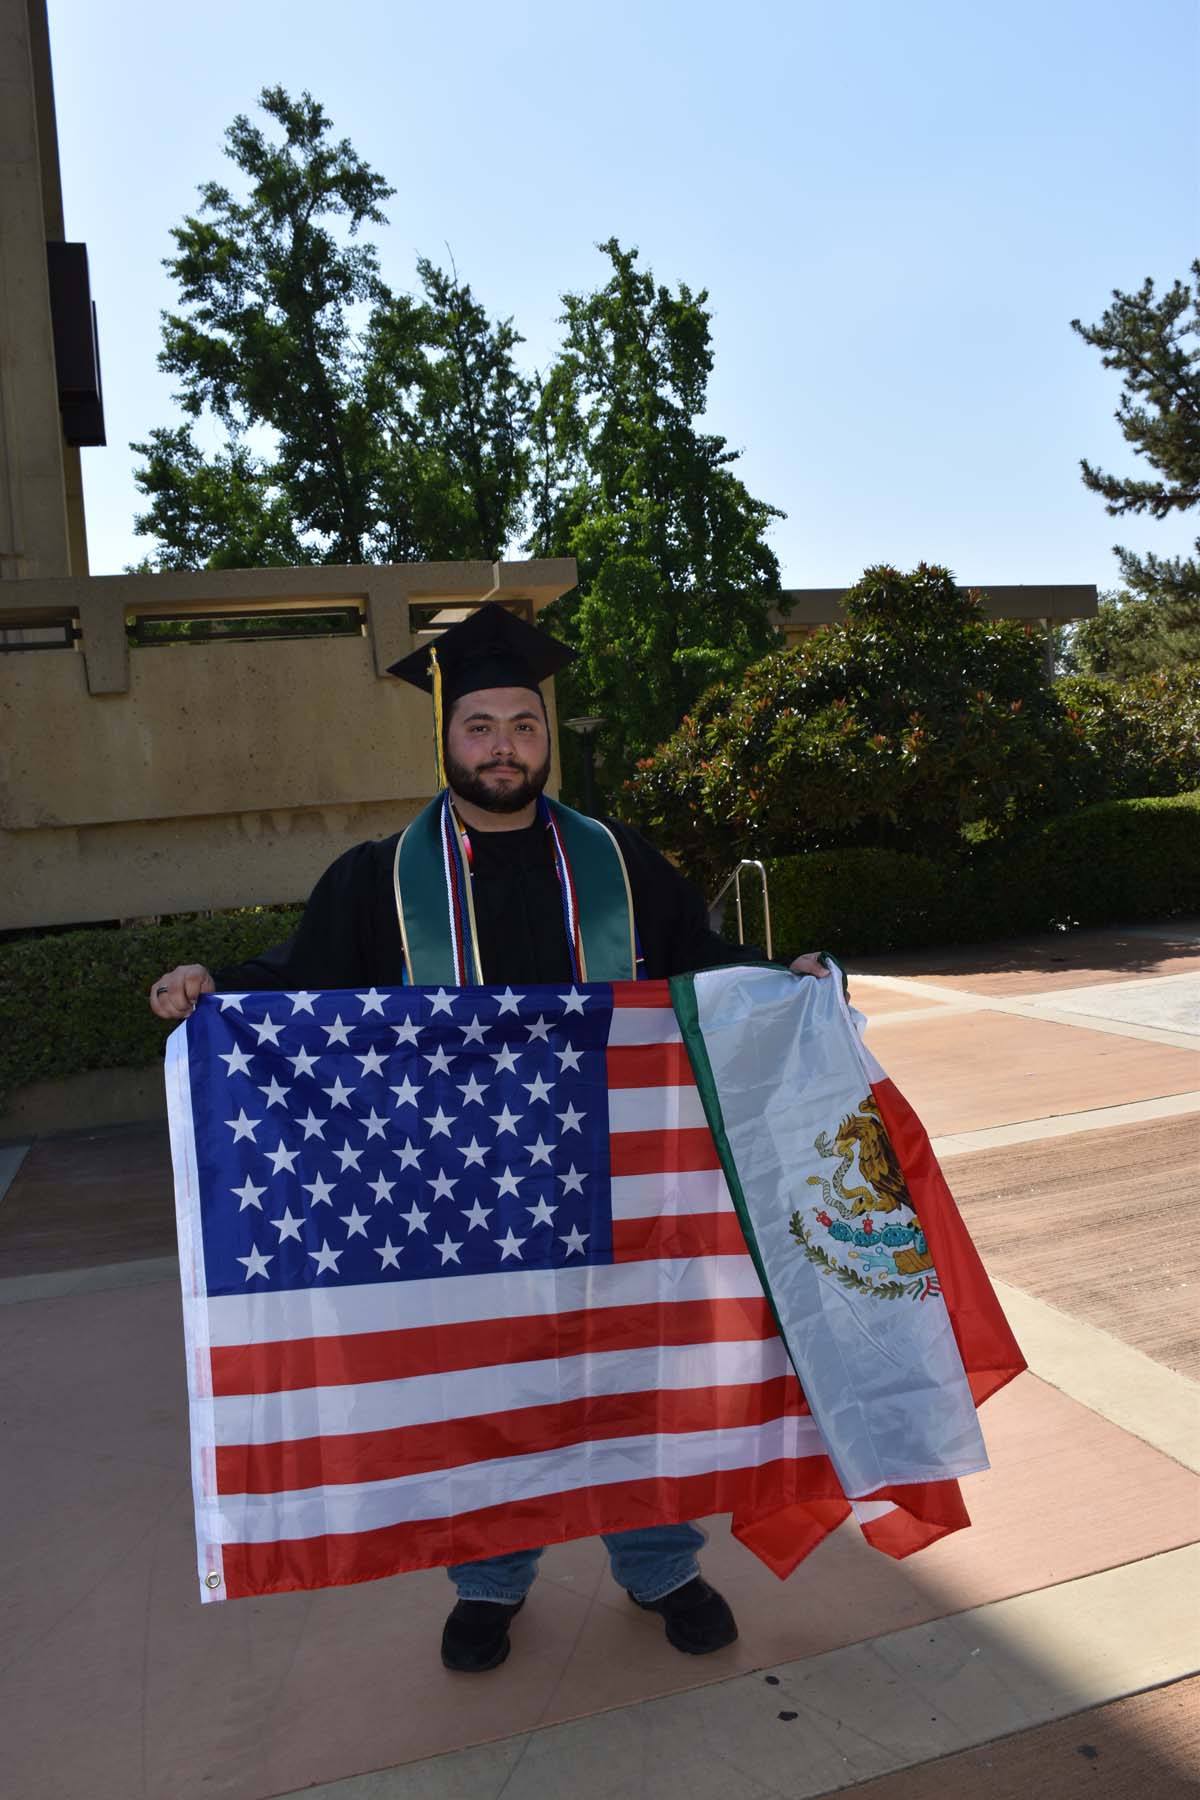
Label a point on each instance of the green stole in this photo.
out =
(439, 936)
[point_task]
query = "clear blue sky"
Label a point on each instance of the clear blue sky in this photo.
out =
(896, 209)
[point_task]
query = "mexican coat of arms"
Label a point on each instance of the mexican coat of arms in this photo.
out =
(867, 1235)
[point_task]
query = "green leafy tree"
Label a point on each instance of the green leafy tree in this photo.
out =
(1154, 341)
(1133, 739)
(674, 568)
(912, 721)
(453, 413)
(395, 423)
(220, 512)
(1131, 634)
(474, 408)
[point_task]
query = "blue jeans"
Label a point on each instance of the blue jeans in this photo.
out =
(650, 1562)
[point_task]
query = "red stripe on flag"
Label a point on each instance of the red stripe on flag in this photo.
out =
(300, 1463)
(437, 1349)
(925, 1512)
(990, 1354)
(681, 1234)
(655, 994)
(649, 1065)
(749, 1494)
(662, 1152)
(783, 1539)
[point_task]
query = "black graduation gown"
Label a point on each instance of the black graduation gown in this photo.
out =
(350, 936)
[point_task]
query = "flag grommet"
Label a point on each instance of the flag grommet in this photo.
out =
(212, 1580)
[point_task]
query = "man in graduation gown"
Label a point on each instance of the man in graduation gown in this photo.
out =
(537, 894)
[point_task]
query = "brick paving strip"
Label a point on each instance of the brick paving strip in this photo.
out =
(91, 1199)
(1174, 1024)
(1148, 1745)
(1092, 1224)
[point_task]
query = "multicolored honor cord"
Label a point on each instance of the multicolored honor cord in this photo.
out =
(570, 899)
(456, 868)
(435, 908)
(458, 860)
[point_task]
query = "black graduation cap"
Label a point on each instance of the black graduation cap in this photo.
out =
(491, 648)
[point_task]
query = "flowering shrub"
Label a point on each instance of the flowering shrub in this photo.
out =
(1136, 737)
(915, 718)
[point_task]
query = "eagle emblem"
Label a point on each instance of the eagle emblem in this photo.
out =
(865, 1234)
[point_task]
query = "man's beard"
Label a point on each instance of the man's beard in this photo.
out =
(471, 784)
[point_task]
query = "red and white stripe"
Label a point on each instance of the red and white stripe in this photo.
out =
(512, 1408)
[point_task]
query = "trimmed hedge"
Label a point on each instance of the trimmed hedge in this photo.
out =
(847, 901)
(1120, 861)
(77, 1000)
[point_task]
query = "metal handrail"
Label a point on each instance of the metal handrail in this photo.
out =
(734, 881)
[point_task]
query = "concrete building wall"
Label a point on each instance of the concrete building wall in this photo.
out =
(41, 498)
(203, 729)
(1039, 608)
(169, 778)
(805, 610)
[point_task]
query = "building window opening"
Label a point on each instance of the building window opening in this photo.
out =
(244, 625)
(429, 618)
(54, 634)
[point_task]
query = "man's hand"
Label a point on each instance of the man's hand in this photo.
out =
(174, 996)
(808, 964)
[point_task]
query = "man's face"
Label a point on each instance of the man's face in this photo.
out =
(498, 748)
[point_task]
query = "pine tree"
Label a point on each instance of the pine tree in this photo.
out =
(1155, 343)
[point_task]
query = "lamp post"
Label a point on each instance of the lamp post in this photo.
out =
(586, 729)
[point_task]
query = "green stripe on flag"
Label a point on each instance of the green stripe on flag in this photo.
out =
(687, 1012)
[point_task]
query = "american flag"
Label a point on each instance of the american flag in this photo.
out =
(462, 1275)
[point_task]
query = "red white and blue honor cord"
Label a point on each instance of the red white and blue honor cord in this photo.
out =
(457, 862)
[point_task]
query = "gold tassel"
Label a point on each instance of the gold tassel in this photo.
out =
(436, 667)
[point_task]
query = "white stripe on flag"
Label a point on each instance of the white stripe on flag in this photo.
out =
(441, 1493)
(196, 1335)
(461, 1299)
(502, 1387)
(665, 1196)
(643, 1025)
(654, 1109)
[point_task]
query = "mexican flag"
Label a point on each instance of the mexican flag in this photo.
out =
(887, 1314)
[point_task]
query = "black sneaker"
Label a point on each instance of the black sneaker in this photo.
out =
(697, 1618)
(475, 1636)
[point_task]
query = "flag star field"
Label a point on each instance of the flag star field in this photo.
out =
(403, 1134)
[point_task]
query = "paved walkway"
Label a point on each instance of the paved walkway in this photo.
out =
(1049, 1651)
